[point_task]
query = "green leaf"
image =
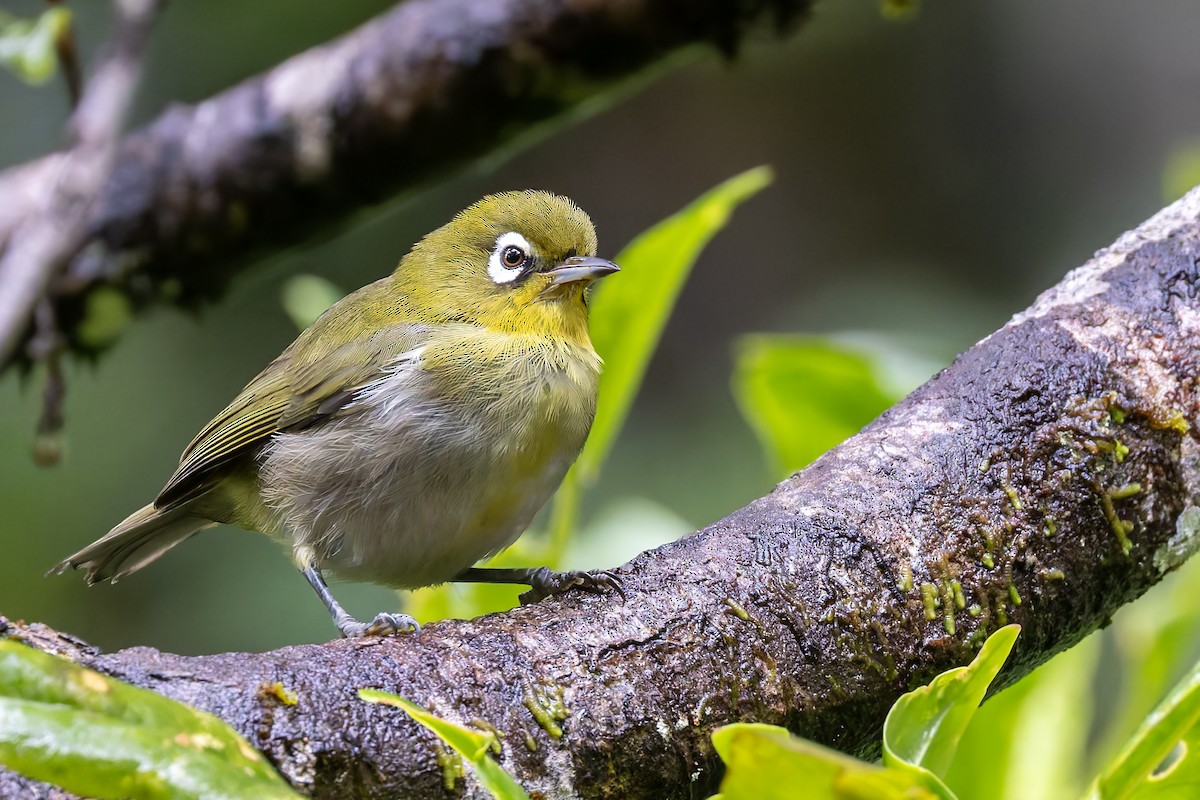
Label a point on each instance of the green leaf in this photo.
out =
(764, 762)
(28, 46)
(99, 737)
(630, 310)
(1178, 777)
(107, 313)
(1174, 722)
(922, 731)
(804, 395)
(473, 745)
(919, 739)
(1029, 741)
(306, 297)
(1156, 639)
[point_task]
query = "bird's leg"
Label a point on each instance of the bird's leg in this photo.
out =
(542, 581)
(384, 624)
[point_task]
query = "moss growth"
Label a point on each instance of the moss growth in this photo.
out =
(1092, 439)
(547, 707)
(989, 542)
(277, 691)
(451, 764)
(767, 660)
(1120, 527)
(977, 637)
(1175, 421)
(946, 603)
(930, 600)
(1126, 491)
(1013, 498)
(487, 727)
(1020, 499)
(956, 589)
(737, 610)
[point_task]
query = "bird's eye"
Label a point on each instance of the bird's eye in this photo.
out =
(510, 256)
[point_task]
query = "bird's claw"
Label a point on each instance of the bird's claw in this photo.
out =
(544, 582)
(384, 624)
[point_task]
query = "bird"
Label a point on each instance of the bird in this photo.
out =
(415, 428)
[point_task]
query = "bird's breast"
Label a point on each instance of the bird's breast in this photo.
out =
(449, 463)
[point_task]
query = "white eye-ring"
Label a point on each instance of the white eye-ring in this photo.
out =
(509, 257)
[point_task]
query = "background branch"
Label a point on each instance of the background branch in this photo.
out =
(407, 97)
(1042, 478)
(53, 228)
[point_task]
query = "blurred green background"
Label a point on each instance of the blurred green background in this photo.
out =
(933, 176)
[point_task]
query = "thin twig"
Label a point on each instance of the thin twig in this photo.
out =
(46, 346)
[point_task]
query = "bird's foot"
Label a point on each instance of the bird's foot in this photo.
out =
(545, 582)
(384, 624)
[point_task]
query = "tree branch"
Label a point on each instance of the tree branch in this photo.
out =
(39, 244)
(1051, 474)
(407, 97)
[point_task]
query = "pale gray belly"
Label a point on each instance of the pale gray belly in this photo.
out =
(412, 498)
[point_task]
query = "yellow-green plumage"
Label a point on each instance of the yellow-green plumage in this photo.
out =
(418, 425)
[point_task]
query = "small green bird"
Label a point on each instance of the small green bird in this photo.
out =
(415, 428)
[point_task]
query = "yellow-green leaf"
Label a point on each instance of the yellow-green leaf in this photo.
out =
(472, 745)
(923, 728)
(1136, 772)
(98, 737)
(306, 297)
(27, 46)
(765, 762)
(630, 310)
(1029, 741)
(803, 395)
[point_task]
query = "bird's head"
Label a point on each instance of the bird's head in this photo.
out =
(517, 262)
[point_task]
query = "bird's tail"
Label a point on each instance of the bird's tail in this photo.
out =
(142, 537)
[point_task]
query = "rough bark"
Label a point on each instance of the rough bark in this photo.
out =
(1051, 472)
(405, 98)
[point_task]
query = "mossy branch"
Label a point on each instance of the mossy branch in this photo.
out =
(1047, 477)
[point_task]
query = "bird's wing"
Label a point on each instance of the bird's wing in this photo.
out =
(287, 395)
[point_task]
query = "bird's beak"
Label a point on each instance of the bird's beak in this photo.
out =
(581, 269)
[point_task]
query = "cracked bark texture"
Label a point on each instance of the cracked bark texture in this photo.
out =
(1046, 477)
(406, 98)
